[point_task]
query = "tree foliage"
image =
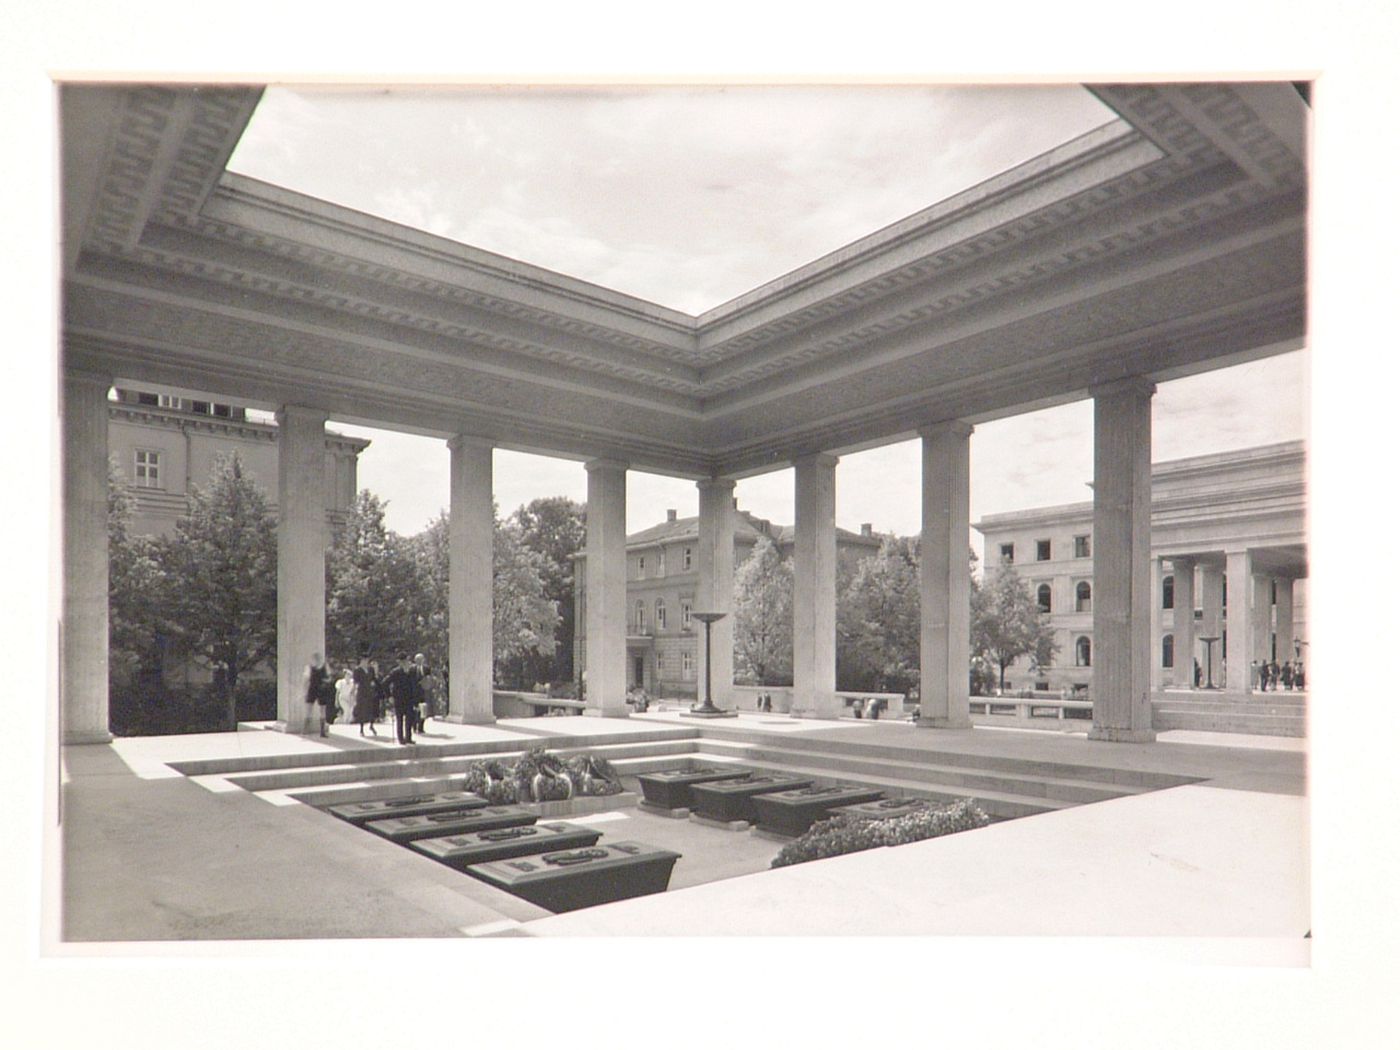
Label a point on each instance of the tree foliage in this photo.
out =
(220, 564)
(877, 621)
(763, 616)
(136, 588)
(374, 592)
(1007, 623)
(553, 527)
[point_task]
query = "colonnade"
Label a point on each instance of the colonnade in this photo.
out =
(1123, 622)
(1243, 607)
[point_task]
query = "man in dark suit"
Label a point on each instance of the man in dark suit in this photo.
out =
(404, 692)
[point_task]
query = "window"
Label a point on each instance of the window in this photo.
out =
(641, 613)
(1168, 596)
(1008, 553)
(1083, 597)
(1168, 650)
(685, 615)
(1081, 546)
(147, 399)
(1042, 550)
(147, 469)
(661, 563)
(1224, 591)
(1042, 597)
(641, 566)
(168, 401)
(202, 407)
(687, 664)
(685, 561)
(660, 614)
(1081, 652)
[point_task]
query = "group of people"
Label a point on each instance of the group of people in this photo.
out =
(1268, 675)
(363, 695)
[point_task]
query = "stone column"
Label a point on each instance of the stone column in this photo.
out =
(714, 592)
(1122, 561)
(1283, 619)
(606, 585)
(1261, 620)
(469, 587)
(84, 630)
(1239, 623)
(814, 589)
(301, 557)
(1212, 597)
(1184, 621)
(945, 585)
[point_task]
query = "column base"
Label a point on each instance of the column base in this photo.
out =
(294, 729)
(809, 713)
(1118, 734)
(717, 713)
(607, 712)
(468, 720)
(87, 736)
(938, 722)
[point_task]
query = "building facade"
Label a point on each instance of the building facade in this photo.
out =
(1228, 545)
(663, 574)
(164, 443)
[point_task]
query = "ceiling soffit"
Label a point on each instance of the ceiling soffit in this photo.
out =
(1107, 243)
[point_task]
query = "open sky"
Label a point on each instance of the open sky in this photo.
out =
(689, 196)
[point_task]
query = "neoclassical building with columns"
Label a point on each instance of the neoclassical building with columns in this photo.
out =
(1229, 558)
(1168, 242)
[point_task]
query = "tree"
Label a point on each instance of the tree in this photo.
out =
(553, 527)
(763, 616)
(136, 588)
(1007, 623)
(523, 618)
(222, 567)
(878, 621)
(375, 590)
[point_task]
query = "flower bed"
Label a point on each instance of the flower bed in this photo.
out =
(846, 834)
(538, 776)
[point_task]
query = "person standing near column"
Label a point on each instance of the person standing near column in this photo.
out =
(365, 702)
(317, 681)
(403, 694)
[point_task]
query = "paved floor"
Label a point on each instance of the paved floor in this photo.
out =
(150, 855)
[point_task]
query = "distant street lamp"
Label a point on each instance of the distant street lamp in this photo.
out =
(708, 709)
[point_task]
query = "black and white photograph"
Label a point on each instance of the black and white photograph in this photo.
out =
(742, 557)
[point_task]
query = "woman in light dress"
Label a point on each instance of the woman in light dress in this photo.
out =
(345, 696)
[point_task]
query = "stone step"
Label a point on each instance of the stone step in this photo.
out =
(849, 749)
(1259, 725)
(1212, 707)
(401, 768)
(1039, 785)
(372, 755)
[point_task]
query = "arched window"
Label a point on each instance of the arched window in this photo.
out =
(660, 614)
(1168, 595)
(1168, 650)
(1042, 597)
(641, 611)
(1083, 598)
(1081, 652)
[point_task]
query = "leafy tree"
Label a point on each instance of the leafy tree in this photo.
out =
(137, 587)
(524, 619)
(763, 616)
(1007, 623)
(553, 527)
(221, 563)
(878, 620)
(375, 589)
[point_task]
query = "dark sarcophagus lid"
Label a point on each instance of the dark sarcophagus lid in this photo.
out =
(521, 840)
(733, 799)
(793, 812)
(451, 822)
(412, 806)
(571, 879)
(885, 809)
(670, 788)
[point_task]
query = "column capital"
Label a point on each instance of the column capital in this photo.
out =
(715, 484)
(947, 428)
(457, 441)
(1139, 385)
(820, 459)
(604, 464)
